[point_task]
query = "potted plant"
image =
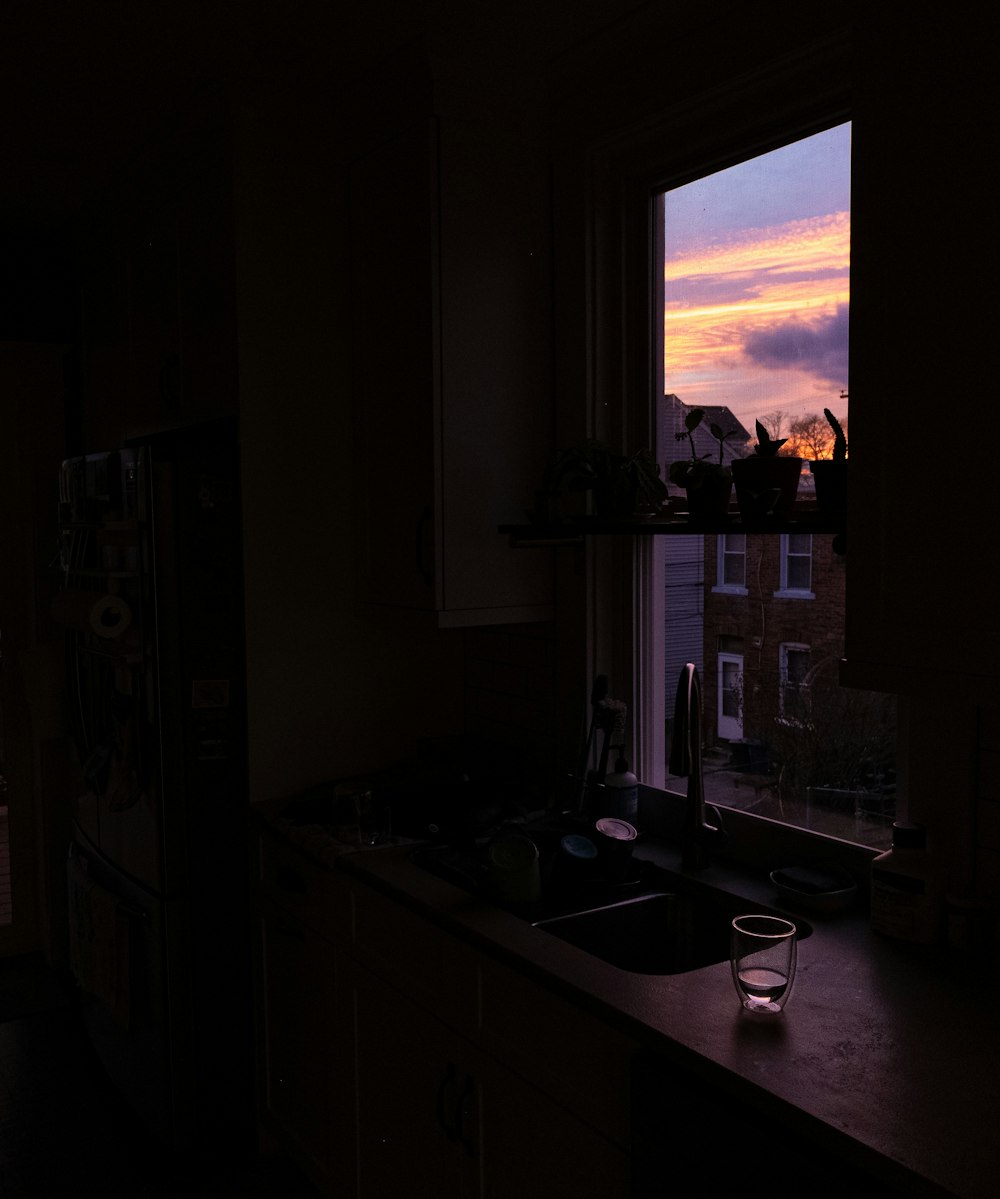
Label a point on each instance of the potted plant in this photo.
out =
(623, 485)
(830, 474)
(708, 484)
(766, 482)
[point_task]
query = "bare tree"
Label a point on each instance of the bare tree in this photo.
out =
(774, 422)
(811, 436)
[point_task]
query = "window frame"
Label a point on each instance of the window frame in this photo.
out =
(721, 587)
(785, 590)
(615, 325)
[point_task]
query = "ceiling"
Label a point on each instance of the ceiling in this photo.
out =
(81, 82)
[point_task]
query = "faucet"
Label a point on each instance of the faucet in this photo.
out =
(685, 761)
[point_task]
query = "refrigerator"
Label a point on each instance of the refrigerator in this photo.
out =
(151, 597)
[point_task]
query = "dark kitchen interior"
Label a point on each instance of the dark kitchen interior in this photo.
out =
(307, 297)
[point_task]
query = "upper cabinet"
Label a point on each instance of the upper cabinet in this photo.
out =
(920, 606)
(449, 303)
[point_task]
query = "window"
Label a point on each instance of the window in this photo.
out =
(755, 299)
(796, 565)
(715, 243)
(793, 674)
(731, 563)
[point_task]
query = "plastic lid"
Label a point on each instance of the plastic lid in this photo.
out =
(579, 847)
(908, 836)
(617, 830)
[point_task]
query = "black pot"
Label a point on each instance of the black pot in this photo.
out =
(708, 496)
(766, 486)
(830, 478)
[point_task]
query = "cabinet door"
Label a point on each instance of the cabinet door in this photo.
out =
(449, 302)
(532, 1148)
(396, 376)
(418, 1103)
(308, 1064)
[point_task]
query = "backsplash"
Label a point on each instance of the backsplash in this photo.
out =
(510, 686)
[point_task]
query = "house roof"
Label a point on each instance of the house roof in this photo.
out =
(673, 412)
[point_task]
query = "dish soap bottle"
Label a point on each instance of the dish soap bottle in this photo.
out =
(625, 791)
(906, 900)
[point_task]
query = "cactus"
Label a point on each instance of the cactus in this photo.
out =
(839, 438)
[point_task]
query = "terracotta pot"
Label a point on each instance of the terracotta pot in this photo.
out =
(766, 486)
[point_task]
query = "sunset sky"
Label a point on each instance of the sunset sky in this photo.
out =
(757, 282)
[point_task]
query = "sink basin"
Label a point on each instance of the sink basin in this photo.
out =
(662, 932)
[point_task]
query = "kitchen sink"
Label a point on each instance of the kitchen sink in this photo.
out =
(661, 932)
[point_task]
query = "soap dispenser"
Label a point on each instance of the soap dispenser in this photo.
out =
(624, 791)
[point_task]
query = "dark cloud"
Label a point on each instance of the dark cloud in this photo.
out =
(819, 347)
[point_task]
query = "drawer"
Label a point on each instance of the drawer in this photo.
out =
(311, 892)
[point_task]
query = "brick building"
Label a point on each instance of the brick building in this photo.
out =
(773, 629)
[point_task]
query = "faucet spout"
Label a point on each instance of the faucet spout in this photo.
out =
(685, 761)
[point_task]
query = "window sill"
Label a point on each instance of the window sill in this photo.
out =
(791, 593)
(672, 523)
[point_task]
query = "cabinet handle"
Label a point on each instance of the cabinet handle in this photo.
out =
(449, 1129)
(423, 567)
(466, 1099)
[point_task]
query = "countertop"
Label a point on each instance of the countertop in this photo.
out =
(887, 1054)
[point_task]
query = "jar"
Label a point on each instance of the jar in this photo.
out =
(906, 898)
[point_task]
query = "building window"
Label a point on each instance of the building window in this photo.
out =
(796, 566)
(793, 675)
(731, 563)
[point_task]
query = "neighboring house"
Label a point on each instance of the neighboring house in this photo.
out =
(773, 631)
(762, 615)
(672, 415)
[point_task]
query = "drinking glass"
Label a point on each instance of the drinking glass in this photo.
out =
(762, 957)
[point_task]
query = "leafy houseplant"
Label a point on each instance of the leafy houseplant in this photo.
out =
(830, 474)
(708, 484)
(766, 482)
(622, 484)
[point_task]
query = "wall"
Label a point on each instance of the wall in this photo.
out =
(332, 689)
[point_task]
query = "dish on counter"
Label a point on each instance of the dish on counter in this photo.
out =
(824, 888)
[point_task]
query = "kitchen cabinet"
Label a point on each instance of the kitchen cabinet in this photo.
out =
(304, 1036)
(418, 1101)
(395, 1058)
(511, 1090)
(444, 1114)
(448, 302)
(920, 612)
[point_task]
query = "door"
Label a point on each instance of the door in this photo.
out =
(730, 714)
